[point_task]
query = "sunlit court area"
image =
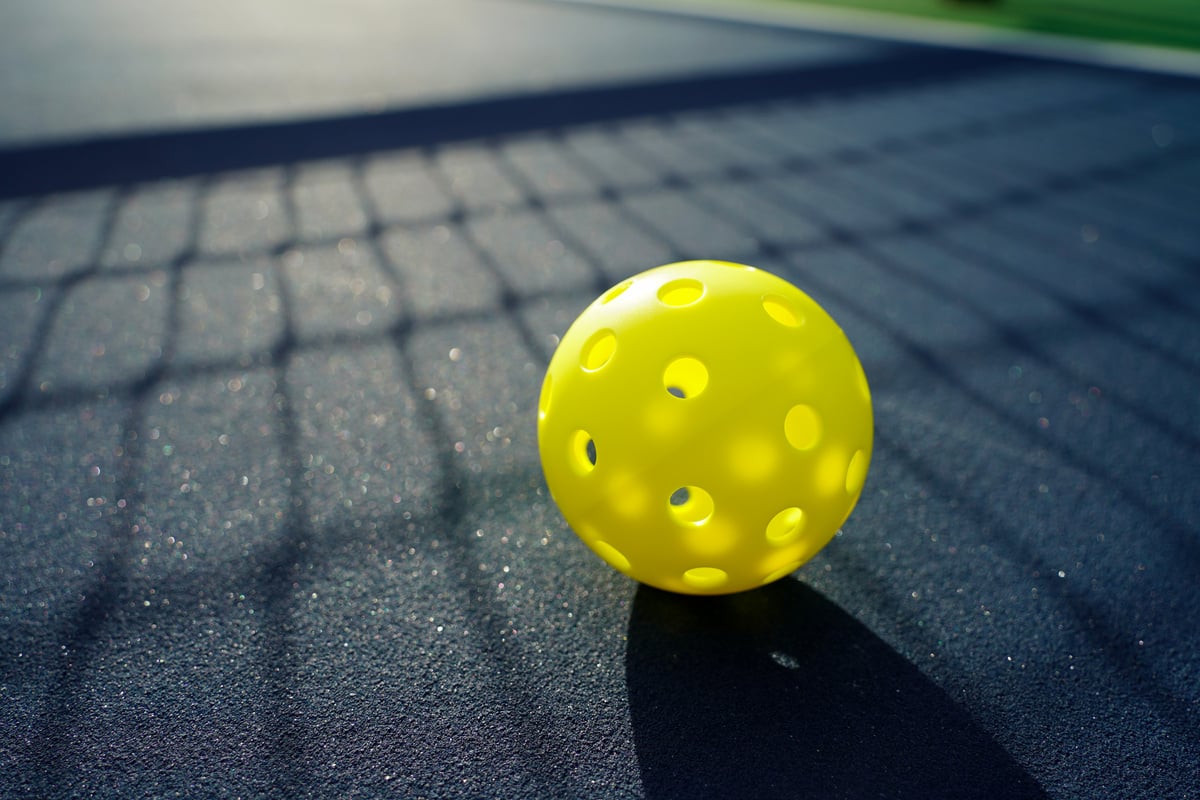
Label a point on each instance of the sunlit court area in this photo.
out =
(282, 510)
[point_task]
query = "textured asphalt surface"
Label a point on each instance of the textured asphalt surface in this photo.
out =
(272, 522)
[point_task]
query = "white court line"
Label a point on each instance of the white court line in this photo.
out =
(895, 27)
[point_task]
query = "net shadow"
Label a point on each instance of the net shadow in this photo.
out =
(769, 689)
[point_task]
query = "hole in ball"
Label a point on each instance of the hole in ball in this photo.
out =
(581, 452)
(856, 472)
(782, 311)
(680, 292)
(705, 577)
(785, 526)
(544, 399)
(615, 292)
(612, 555)
(598, 350)
(691, 505)
(685, 377)
(861, 380)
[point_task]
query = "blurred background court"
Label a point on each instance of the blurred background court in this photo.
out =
(1167, 23)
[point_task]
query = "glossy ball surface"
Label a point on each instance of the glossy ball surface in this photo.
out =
(705, 427)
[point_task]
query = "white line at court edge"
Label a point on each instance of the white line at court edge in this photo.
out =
(895, 27)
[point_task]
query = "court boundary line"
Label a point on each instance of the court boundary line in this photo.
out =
(916, 30)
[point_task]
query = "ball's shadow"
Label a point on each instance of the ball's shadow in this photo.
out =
(781, 693)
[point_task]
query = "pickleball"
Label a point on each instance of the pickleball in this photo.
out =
(705, 427)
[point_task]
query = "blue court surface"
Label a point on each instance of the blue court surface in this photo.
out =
(277, 293)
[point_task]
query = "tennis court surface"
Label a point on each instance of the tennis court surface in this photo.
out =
(272, 520)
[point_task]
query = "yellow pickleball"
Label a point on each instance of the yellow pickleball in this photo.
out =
(705, 427)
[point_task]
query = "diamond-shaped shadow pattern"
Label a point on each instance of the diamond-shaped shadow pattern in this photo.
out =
(272, 519)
